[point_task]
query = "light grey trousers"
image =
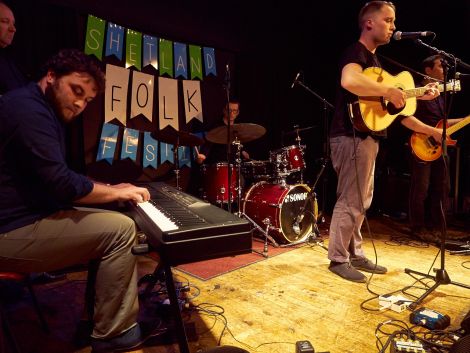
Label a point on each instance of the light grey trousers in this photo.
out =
(72, 237)
(345, 228)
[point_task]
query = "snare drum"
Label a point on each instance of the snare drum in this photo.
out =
(215, 181)
(288, 159)
(281, 206)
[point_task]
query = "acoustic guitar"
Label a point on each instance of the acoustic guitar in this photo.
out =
(375, 113)
(427, 148)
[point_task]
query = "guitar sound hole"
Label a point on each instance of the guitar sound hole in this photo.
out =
(394, 110)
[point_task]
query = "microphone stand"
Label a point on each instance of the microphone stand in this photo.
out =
(229, 142)
(441, 276)
(326, 145)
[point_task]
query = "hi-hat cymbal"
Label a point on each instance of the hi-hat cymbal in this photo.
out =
(295, 131)
(174, 137)
(245, 132)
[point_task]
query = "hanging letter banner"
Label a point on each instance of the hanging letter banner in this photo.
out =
(114, 41)
(195, 61)
(134, 49)
(166, 57)
(192, 100)
(150, 51)
(168, 102)
(115, 98)
(184, 157)
(149, 158)
(166, 151)
(181, 61)
(94, 36)
(209, 61)
(108, 142)
(130, 142)
(142, 95)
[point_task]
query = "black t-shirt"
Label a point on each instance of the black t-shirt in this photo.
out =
(341, 124)
(430, 112)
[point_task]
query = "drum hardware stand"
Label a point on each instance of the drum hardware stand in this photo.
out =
(267, 222)
(177, 163)
(301, 149)
(238, 162)
(441, 276)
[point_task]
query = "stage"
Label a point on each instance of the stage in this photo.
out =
(271, 304)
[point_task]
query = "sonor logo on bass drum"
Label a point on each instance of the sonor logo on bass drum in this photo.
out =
(295, 197)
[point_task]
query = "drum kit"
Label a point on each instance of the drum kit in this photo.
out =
(285, 213)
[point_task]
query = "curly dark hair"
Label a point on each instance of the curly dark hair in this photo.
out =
(67, 61)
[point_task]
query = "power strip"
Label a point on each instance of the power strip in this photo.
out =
(399, 345)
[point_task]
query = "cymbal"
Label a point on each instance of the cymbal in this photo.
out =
(245, 132)
(175, 137)
(294, 132)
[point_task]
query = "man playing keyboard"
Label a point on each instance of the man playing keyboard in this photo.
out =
(41, 229)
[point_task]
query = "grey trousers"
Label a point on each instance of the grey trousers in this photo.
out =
(74, 237)
(345, 228)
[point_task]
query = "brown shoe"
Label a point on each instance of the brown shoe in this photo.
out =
(364, 264)
(345, 270)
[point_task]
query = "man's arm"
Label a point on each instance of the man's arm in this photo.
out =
(102, 193)
(414, 124)
(353, 80)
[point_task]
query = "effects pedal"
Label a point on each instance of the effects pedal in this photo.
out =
(396, 303)
(304, 347)
(431, 319)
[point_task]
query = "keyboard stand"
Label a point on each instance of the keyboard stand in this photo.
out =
(163, 264)
(171, 290)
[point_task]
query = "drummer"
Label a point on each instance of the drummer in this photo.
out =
(212, 153)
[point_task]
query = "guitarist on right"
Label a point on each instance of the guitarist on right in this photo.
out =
(429, 177)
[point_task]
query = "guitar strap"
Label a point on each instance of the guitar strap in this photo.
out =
(396, 63)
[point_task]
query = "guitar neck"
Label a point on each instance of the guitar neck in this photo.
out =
(420, 91)
(459, 125)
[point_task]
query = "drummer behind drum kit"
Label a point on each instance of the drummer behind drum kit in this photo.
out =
(286, 214)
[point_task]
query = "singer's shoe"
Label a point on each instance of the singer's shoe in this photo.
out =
(364, 264)
(345, 270)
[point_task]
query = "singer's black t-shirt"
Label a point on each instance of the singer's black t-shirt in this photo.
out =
(341, 124)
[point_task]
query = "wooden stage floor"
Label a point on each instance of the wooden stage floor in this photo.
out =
(271, 304)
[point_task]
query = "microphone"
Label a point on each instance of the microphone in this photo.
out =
(227, 77)
(297, 221)
(460, 76)
(295, 80)
(412, 35)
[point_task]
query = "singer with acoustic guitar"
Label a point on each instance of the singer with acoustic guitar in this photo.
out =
(353, 153)
(429, 176)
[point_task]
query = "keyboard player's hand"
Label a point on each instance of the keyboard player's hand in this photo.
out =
(129, 192)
